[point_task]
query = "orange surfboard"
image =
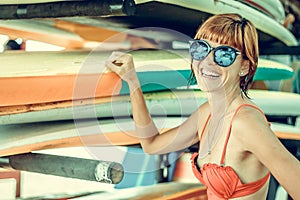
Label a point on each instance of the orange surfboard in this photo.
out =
(19, 90)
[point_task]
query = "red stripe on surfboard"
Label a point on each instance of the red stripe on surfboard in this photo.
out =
(259, 7)
(42, 89)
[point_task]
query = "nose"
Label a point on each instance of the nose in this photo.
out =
(209, 58)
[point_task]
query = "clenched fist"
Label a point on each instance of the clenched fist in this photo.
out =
(122, 64)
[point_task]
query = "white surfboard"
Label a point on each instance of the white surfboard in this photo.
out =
(174, 103)
(262, 21)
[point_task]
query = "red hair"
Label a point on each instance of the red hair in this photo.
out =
(235, 31)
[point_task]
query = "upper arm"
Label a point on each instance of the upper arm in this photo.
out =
(257, 137)
(176, 138)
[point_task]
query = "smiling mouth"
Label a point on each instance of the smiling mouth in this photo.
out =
(209, 74)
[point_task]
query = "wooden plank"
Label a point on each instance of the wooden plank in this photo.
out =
(156, 191)
(189, 194)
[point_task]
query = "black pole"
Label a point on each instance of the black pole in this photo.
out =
(68, 9)
(86, 169)
(281, 50)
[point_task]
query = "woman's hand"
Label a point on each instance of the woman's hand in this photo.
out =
(122, 64)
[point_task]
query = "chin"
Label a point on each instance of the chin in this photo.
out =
(208, 86)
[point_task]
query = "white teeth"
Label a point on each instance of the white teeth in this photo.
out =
(209, 73)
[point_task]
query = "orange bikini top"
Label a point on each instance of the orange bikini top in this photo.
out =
(221, 181)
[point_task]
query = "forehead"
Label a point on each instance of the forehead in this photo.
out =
(214, 44)
(228, 34)
(223, 40)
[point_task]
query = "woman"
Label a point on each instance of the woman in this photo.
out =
(237, 150)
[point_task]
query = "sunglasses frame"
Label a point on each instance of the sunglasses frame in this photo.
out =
(214, 49)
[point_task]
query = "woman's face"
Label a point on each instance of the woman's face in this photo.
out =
(212, 77)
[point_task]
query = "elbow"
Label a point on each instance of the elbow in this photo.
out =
(148, 150)
(149, 153)
(148, 146)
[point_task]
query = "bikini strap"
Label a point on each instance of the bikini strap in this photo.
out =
(229, 130)
(204, 127)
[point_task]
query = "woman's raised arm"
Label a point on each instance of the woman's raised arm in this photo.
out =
(151, 140)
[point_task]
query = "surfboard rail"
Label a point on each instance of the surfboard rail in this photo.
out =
(23, 138)
(62, 76)
(175, 102)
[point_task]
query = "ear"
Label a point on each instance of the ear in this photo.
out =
(245, 68)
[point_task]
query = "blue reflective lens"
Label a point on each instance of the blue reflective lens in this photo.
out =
(224, 56)
(199, 50)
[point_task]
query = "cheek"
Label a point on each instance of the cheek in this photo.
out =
(230, 76)
(196, 66)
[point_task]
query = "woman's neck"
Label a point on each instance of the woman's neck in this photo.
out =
(220, 101)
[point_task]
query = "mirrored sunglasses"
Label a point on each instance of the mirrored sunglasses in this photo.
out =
(224, 55)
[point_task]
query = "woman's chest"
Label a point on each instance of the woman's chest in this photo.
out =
(220, 146)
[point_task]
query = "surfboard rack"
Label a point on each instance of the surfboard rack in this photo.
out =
(68, 9)
(70, 167)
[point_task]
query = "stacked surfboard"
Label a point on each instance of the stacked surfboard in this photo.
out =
(65, 99)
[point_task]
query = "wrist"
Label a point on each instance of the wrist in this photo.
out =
(134, 84)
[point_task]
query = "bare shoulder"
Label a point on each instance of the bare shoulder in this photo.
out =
(250, 125)
(247, 116)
